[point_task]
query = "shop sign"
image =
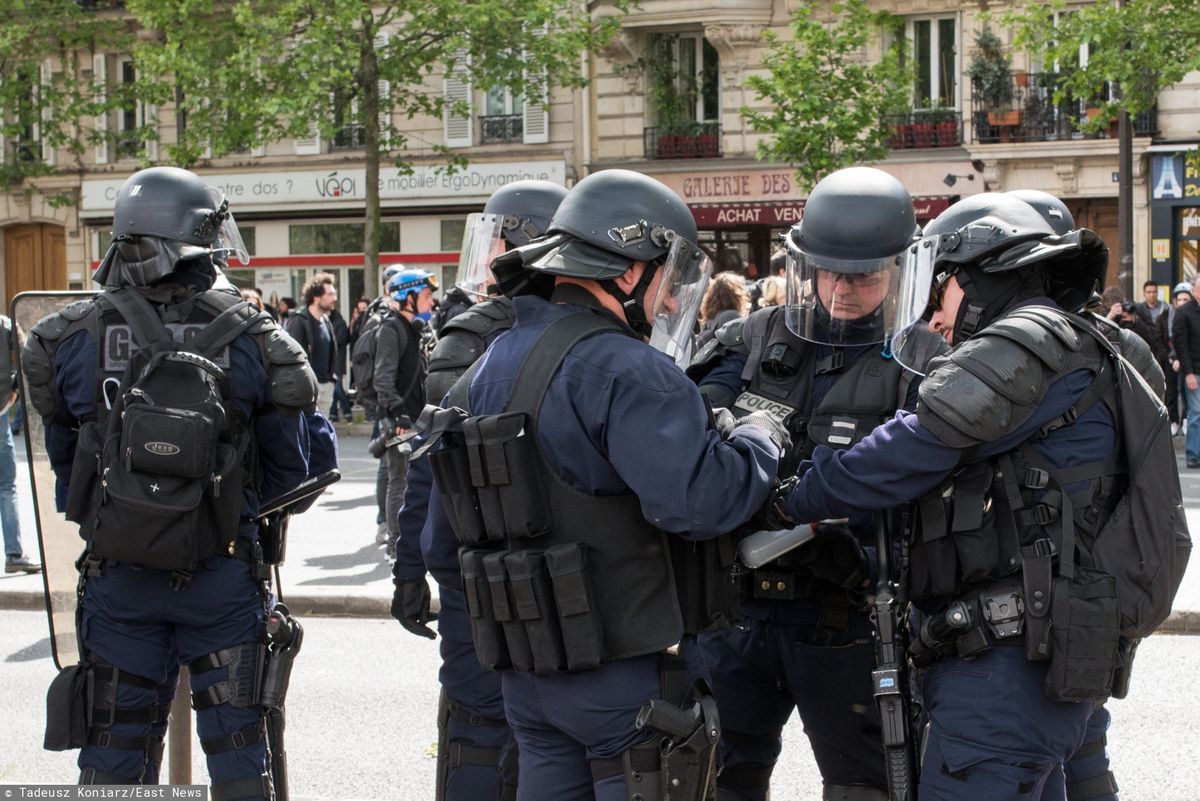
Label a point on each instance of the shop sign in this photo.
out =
(1174, 178)
(333, 187)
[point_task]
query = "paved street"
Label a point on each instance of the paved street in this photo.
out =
(364, 692)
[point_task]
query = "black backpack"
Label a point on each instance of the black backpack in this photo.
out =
(362, 357)
(157, 481)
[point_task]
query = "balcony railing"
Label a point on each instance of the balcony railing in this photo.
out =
(922, 128)
(501, 128)
(1033, 116)
(24, 151)
(697, 140)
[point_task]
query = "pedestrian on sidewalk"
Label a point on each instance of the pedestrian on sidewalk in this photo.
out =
(15, 560)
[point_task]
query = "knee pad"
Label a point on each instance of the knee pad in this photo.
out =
(1093, 788)
(104, 713)
(241, 687)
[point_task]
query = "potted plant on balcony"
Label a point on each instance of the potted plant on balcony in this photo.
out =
(923, 128)
(991, 80)
(945, 125)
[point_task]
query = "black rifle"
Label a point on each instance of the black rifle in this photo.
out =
(890, 677)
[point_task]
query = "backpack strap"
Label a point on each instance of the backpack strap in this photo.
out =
(225, 328)
(548, 352)
(148, 329)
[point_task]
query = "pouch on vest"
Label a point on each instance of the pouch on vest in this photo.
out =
(66, 709)
(82, 497)
(1084, 637)
(452, 475)
(575, 604)
(503, 464)
(533, 605)
(490, 646)
(517, 641)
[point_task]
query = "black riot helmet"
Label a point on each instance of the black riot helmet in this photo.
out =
(514, 215)
(1076, 265)
(525, 209)
(607, 222)
(164, 219)
(1053, 211)
(844, 257)
(991, 242)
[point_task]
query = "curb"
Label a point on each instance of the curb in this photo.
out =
(1183, 621)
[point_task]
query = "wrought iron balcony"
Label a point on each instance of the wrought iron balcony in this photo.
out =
(501, 128)
(923, 128)
(1033, 116)
(691, 140)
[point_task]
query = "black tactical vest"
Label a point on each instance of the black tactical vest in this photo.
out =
(556, 579)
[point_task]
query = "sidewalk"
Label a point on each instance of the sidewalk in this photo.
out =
(334, 569)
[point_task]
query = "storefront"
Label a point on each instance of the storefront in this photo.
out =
(743, 213)
(298, 223)
(1174, 214)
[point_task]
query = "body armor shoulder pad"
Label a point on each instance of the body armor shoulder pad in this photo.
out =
(483, 318)
(455, 349)
(293, 384)
(726, 338)
(53, 326)
(731, 334)
(1044, 332)
(993, 382)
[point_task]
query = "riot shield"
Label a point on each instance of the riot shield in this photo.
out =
(58, 538)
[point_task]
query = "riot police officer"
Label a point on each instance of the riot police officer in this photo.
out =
(195, 594)
(571, 591)
(823, 368)
(989, 533)
(476, 752)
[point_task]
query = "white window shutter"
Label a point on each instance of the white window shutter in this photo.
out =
(536, 111)
(48, 153)
(457, 88)
(100, 79)
(309, 145)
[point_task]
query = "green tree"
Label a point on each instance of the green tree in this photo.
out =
(1139, 48)
(246, 72)
(49, 97)
(825, 105)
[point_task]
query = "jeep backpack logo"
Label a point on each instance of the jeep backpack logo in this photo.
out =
(162, 448)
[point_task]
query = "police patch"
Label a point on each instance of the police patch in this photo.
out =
(119, 344)
(842, 431)
(748, 402)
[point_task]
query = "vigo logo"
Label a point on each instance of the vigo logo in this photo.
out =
(162, 448)
(748, 402)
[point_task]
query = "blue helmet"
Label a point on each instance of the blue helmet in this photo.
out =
(408, 280)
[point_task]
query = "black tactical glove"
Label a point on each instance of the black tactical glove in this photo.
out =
(775, 430)
(410, 605)
(772, 515)
(835, 555)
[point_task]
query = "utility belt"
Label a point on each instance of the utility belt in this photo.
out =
(1072, 626)
(533, 610)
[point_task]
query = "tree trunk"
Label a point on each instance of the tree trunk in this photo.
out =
(369, 113)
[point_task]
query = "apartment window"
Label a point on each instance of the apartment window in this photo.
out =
(452, 234)
(340, 238)
(934, 46)
(688, 89)
(503, 118)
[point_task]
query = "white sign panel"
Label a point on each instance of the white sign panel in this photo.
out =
(331, 188)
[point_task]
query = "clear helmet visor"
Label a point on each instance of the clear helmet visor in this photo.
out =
(481, 243)
(840, 302)
(228, 243)
(676, 304)
(915, 300)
